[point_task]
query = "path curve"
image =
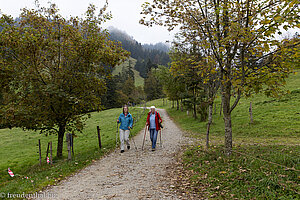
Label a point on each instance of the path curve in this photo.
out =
(135, 174)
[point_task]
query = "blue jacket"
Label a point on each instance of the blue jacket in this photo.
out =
(125, 121)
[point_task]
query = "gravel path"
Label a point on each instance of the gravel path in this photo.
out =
(135, 174)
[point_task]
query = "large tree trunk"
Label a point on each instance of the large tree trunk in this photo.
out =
(226, 94)
(60, 142)
(177, 104)
(210, 114)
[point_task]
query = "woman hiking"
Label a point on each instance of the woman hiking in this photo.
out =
(154, 123)
(126, 121)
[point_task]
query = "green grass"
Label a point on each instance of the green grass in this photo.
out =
(139, 81)
(19, 152)
(159, 103)
(274, 136)
(274, 119)
(241, 176)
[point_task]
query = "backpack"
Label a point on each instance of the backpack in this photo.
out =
(158, 120)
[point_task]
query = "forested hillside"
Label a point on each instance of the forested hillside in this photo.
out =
(127, 67)
(147, 56)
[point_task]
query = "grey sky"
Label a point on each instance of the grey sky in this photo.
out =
(126, 15)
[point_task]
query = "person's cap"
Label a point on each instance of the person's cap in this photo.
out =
(152, 107)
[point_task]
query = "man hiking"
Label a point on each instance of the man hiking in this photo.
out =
(154, 123)
(126, 121)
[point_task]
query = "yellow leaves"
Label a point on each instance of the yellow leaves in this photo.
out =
(266, 47)
(293, 3)
(266, 21)
(277, 18)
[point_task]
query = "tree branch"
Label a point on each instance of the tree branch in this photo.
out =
(236, 101)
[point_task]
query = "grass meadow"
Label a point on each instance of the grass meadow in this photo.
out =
(19, 152)
(265, 163)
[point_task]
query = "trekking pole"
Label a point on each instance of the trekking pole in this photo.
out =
(133, 140)
(117, 136)
(160, 138)
(144, 137)
(132, 136)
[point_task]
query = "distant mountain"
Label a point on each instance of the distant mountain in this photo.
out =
(148, 55)
(158, 46)
(117, 34)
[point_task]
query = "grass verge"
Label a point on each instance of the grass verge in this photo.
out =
(265, 163)
(244, 176)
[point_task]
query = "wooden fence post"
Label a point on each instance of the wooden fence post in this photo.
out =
(40, 153)
(68, 135)
(47, 152)
(72, 143)
(51, 152)
(251, 114)
(99, 137)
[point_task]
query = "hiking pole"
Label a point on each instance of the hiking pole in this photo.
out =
(144, 137)
(160, 138)
(133, 141)
(117, 136)
(132, 137)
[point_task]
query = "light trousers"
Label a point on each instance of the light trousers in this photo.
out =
(124, 137)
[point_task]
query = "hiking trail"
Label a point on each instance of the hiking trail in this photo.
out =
(134, 174)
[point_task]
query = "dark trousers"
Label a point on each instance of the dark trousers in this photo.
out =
(153, 137)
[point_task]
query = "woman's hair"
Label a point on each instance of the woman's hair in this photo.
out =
(125, 106)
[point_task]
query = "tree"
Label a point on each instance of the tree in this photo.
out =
(109, 99)
(128, 88)
(172, 86)
(152, 87)
(237, 36)
(121, 98)
(188, 62)
(130, 71)
(184, 67)
(58, 67)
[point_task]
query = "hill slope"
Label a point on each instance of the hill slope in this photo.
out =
(265, 153)
(156, 54)
(139, 81)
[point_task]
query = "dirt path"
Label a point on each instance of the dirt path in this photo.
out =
(135, 174)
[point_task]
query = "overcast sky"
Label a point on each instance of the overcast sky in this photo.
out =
(126, 15)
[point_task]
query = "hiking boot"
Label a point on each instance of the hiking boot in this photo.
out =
(128, 147)
(122, 151)
(153, 149)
